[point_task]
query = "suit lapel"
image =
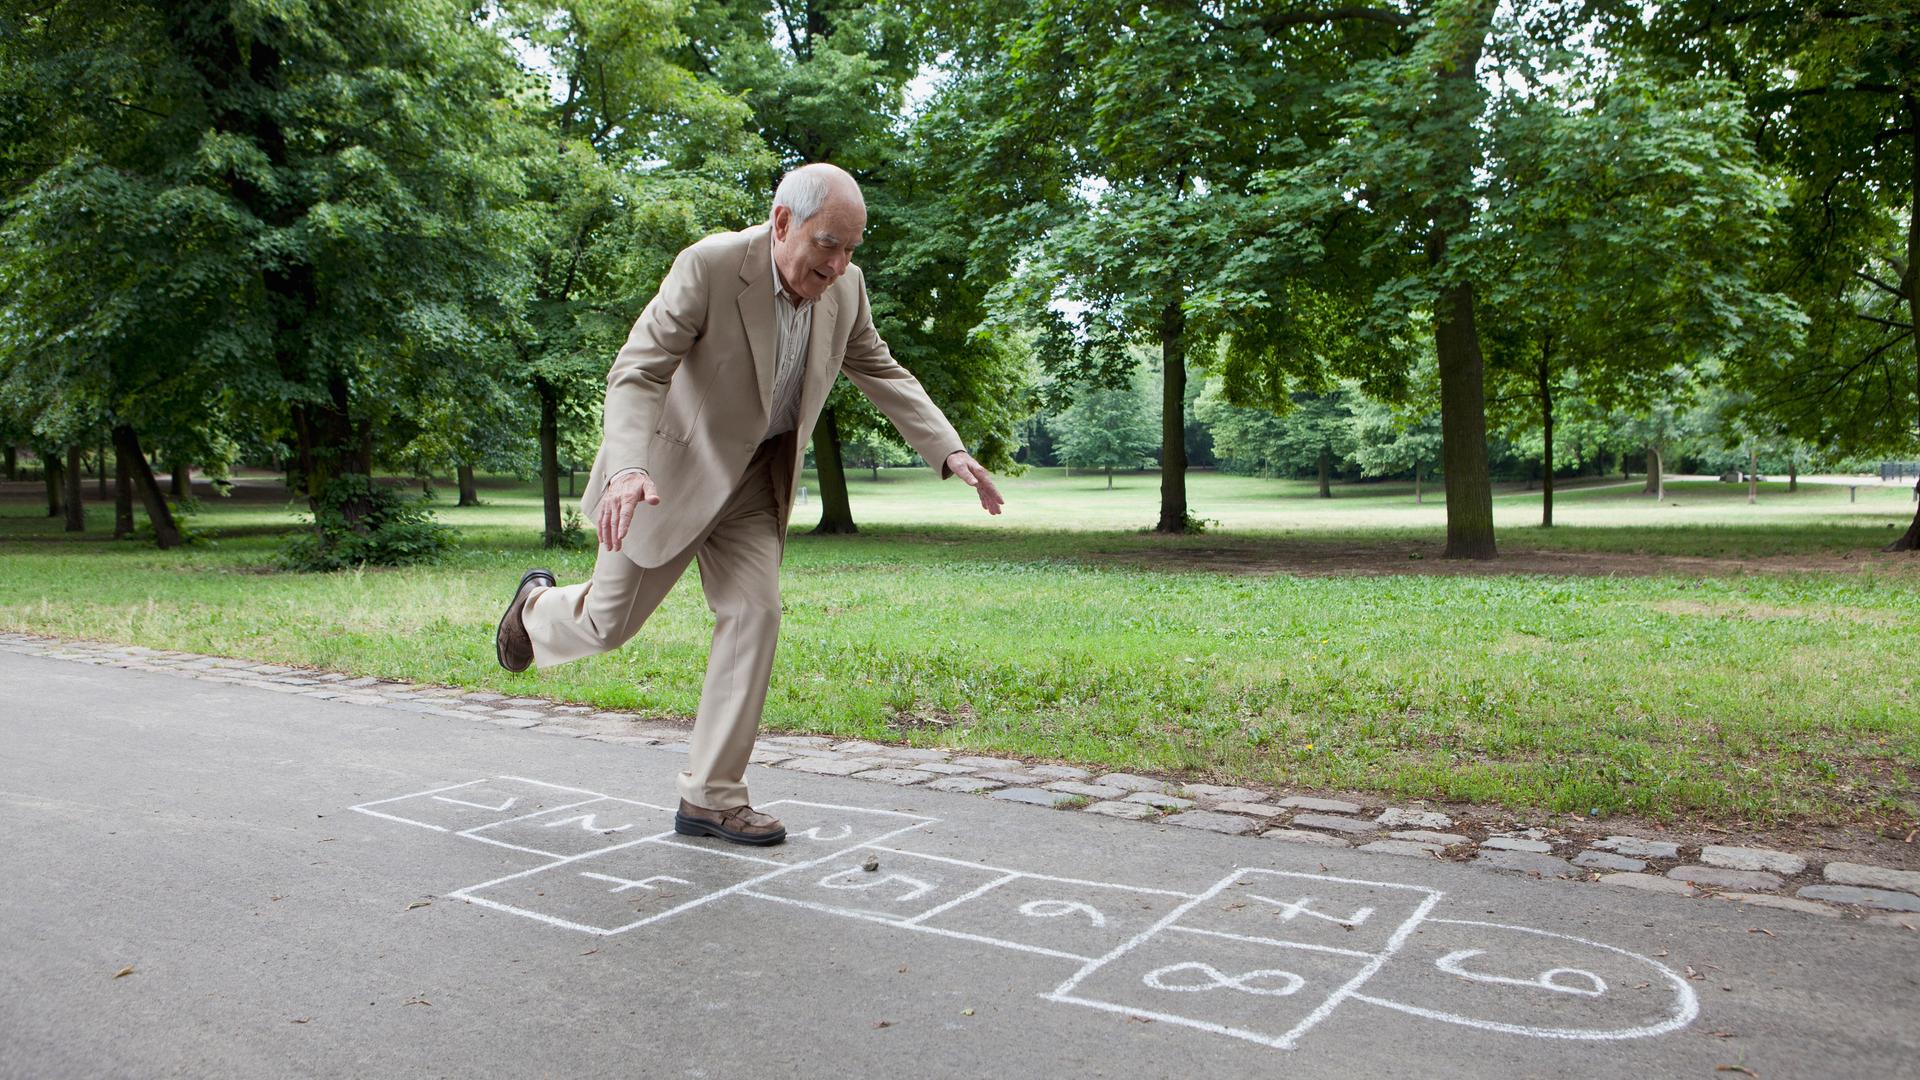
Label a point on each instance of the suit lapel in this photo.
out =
(756, 314)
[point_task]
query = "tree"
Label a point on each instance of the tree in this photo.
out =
(1106, 428)
(1313, 434)
(1623, 229)
(283, 210)
(1389, 440)
(1837, 110)
(603, 219)
(1169, 115)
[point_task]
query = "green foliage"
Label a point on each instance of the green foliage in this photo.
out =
(358, 522)
(1107, 428)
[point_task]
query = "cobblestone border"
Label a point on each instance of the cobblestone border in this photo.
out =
(1762, 877)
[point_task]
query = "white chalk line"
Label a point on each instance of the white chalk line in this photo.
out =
(900, 924)
(1688, 1009)
(1064, 992)
(362, 808)
(962, 898)
(723, 853)
(1034, 876)
(1373, 966)
(1255, 940)
(738, 887)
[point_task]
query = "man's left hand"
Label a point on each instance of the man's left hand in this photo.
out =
(961, 464)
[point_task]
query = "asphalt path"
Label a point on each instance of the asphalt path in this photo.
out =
(312, 888)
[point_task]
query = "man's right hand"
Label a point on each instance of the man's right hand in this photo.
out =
(617, 503)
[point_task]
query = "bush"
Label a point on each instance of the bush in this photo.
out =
(362, 523)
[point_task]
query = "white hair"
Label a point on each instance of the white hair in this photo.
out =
(804, 191)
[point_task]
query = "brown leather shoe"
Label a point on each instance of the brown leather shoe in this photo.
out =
(510, 641)
(740, 824)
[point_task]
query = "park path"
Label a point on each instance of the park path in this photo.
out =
(297, 886)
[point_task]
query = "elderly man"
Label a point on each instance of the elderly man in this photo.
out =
(708, 405)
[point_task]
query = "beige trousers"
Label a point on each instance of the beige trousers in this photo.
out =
(739, 555)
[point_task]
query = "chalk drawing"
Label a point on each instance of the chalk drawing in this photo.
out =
(1237, 958)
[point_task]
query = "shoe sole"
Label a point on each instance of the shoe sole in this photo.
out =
(689, 827)
(500, 629)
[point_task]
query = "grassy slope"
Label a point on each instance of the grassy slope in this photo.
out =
(1752, 695)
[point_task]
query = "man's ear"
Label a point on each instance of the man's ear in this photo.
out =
(782, 221)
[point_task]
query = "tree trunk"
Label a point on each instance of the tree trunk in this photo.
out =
(876, 469)
(13, 464)
(1793, 476)
(75, 473)
(1417, 496)
(1173, 419)
(1656, 474)
(165, 533)
(1463, 427)
(1326, 472)
(1109, 478)
(836, 512)
(1753, 474)
(553, 535)
(122, 496)
(100, 470)
(180, 483)
(469, 495)
(51, 472)
(1544, 373)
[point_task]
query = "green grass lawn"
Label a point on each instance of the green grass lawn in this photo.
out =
(1709, 658)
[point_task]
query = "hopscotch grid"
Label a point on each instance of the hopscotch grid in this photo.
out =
(1684, 1013)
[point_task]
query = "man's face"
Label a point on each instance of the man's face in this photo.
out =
(812, 254)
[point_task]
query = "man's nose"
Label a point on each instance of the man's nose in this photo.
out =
(841, 260)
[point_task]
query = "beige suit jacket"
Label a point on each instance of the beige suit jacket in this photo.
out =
(688, 395)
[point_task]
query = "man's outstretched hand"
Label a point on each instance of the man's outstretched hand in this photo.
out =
(623, 494)
(961, 464)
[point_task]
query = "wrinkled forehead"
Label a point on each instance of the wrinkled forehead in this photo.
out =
(839, 222)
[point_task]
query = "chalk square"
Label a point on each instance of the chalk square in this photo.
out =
(903, 887)
(1081, 919)
(576, 828)
(453, 808)
(619, 889)
(1317, 910)
(1266, 993)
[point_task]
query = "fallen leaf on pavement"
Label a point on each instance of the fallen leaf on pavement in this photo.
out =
(128, 970)
(301, 1020)
(589, 952)
(882, 1023)
(416, 1000)
(1741, 1069)
(1761, 930)
(418, 903)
